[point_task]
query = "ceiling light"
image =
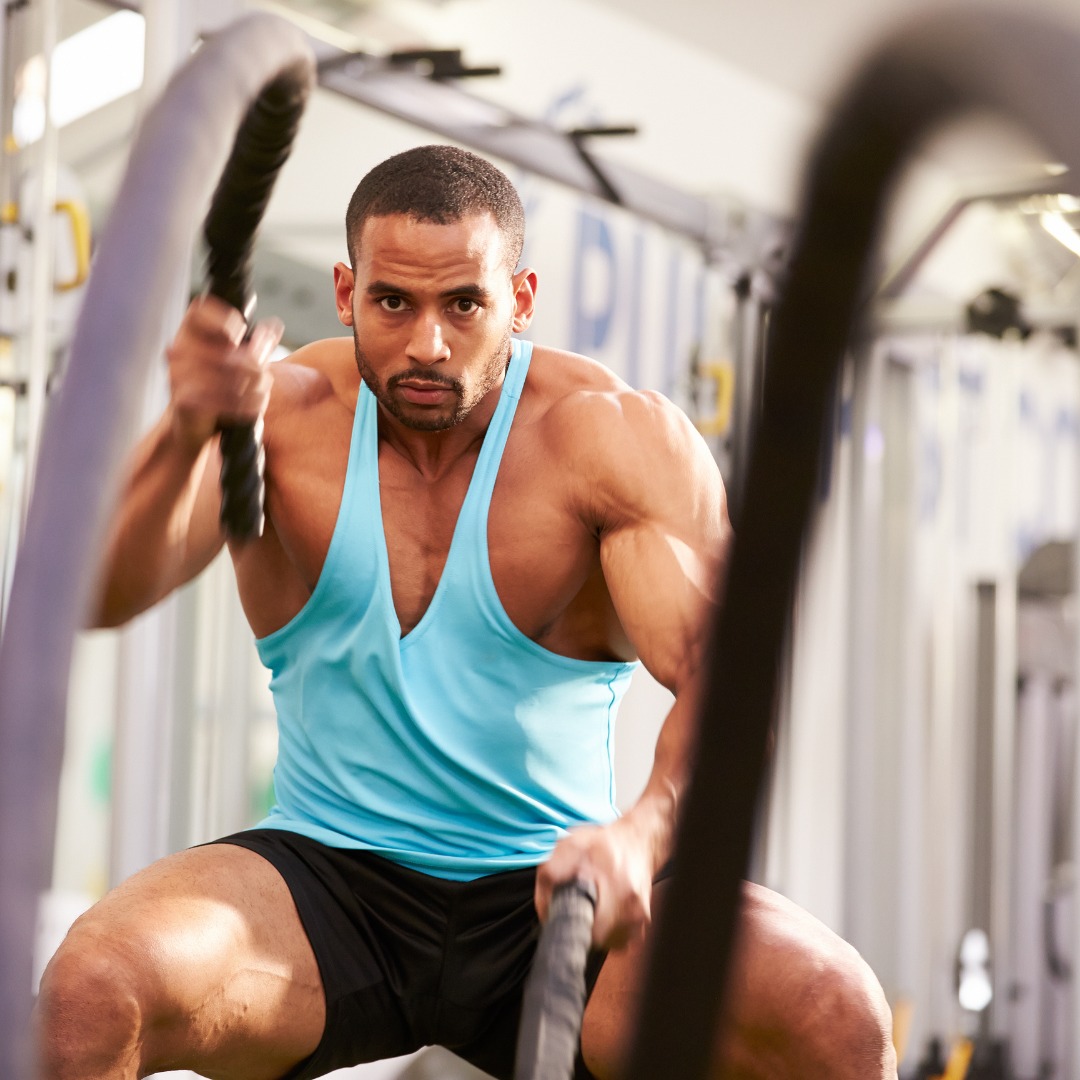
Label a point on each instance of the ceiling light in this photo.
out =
(89, 70)
(1061, 231)
(97, 65)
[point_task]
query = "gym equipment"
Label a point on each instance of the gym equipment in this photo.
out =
(180, 150)
(554, 1001)
(262, 146)
(1011, 63)
(1018, 65)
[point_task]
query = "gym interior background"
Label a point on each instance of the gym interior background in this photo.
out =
(923, 799)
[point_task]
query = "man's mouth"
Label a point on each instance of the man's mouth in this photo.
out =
(424, 394)
(421, 391)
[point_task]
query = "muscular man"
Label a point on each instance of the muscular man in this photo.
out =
(468, 543)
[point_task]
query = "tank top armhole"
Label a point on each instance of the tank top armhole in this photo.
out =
(488, 596)
(352, 494)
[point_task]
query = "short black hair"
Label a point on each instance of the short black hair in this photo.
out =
(438, 184)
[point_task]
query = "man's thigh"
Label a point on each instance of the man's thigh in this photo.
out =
(208, 944)
(801, 1002)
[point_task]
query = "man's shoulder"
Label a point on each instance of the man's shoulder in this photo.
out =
(584, 402)
(564, 372)
(620, 452)
(313, 374)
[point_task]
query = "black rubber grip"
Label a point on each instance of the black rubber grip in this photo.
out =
(262, 145)
(554, 1000)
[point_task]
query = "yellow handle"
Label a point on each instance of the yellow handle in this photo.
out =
(959, 1060)
(80, 231)
(903, 1014)
(723, 375)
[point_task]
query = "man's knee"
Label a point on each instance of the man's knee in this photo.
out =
(91, 1008)
(803, 999)
(802, 1004)
(848, 1028)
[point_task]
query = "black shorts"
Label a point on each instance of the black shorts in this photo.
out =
(409, 960)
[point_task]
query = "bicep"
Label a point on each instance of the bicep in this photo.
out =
(664, 555)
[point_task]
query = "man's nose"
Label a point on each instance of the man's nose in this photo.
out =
(427, 345)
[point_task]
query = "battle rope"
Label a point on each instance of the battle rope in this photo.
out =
(179, 152)
(1014, 64)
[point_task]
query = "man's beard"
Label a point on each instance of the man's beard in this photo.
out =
(427, 419)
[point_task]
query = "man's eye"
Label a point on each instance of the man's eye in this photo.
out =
(464, 306)
(391, 303)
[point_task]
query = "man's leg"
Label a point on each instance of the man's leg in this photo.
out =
(803, 1003)
(199, 962)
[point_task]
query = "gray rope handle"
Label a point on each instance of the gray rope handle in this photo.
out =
(554, 1001)
(179, 151)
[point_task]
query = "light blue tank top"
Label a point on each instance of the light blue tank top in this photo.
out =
(461, 749)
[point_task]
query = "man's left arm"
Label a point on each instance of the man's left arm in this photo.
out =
(664, 536)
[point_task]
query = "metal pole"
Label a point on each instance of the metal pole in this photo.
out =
(39, 344)
(1072, 1055)
(10, 499)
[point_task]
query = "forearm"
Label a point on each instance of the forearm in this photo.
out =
(654, 817)
(150, 549)
(623, 859)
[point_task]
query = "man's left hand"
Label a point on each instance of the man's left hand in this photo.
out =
(619, 863)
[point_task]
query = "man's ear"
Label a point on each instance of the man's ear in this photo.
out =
(343, 293)
(524, 282)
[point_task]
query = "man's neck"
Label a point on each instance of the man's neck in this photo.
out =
(434, 453)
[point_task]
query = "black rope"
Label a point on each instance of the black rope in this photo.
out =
(261, 148)
(1012, 63)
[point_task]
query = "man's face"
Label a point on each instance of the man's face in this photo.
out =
(432, 308)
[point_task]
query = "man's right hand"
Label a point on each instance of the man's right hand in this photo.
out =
(167, 527)
(216, 376)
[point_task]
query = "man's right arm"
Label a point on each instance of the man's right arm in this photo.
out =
(166, 528)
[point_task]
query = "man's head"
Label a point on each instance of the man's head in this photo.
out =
(440, 185)
(432, 293)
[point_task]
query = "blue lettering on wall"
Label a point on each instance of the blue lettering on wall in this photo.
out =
(633, 336)
(589, 329)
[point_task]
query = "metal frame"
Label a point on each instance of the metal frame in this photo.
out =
(897, 279)
(447, 109)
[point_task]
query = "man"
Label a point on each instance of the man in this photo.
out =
(468, 542)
